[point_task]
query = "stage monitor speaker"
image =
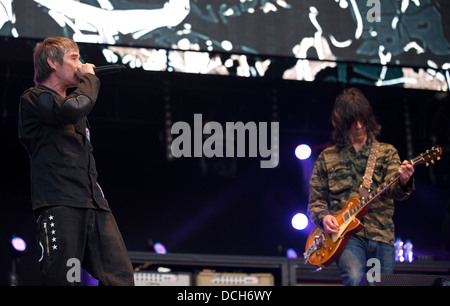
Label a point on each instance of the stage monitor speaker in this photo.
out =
(147, 278)
(233, 279)
(413, 280)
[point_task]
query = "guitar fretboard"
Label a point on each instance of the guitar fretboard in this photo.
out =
(372, 196)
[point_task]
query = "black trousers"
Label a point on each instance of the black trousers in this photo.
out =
(69, 236)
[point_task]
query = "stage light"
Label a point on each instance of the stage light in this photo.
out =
(17, 248)
(299, 221)
(159, 248)
(303, 152)
(18, 244)
(291, 253)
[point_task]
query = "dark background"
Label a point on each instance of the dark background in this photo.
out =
(216, 206)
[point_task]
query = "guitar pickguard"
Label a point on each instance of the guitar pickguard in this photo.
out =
(342, 229)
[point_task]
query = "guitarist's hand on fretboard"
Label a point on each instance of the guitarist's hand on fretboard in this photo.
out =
(405, 171)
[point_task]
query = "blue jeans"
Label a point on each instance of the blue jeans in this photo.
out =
(352, 263)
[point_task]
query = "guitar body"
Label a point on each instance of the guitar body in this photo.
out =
(327, 248)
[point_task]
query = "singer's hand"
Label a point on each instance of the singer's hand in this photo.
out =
(84, 68)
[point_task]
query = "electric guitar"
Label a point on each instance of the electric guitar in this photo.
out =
(322, 249)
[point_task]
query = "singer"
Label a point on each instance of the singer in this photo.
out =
(73, 217)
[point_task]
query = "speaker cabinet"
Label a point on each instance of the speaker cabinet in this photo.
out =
(234, 279)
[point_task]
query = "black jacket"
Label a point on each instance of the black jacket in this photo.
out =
(55, 133)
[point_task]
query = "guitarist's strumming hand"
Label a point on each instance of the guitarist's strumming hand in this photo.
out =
(405, 171)
(330, 224)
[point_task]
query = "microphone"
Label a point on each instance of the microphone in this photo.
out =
(108, 69)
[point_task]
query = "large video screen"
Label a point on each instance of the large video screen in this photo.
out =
(406, 33)
(381, 43)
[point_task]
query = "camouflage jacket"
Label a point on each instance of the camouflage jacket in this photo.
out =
(337, 176)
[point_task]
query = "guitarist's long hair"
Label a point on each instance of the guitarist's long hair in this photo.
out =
(351, 105)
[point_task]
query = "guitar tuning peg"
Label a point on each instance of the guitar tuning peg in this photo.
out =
(438, 158)
(432, 161)
(427, 164)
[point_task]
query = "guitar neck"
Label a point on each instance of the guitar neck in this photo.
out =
(365, 201)
(384, 186)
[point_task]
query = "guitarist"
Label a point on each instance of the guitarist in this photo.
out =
(337, 177)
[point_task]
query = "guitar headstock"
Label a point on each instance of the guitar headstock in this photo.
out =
(429, 156)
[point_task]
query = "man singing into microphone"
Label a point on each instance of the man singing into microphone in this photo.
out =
(74, 220)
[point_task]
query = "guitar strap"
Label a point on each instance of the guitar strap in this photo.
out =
(364, 189)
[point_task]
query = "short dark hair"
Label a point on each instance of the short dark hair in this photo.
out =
(351, 105)
(53, 48)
